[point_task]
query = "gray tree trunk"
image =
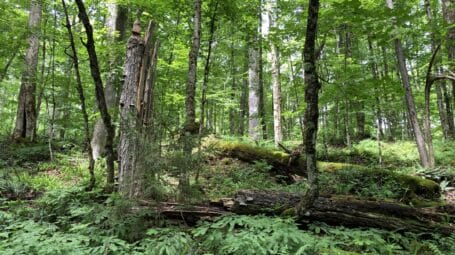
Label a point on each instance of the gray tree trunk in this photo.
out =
(190, 103)
(276, 85)
(253, 92)
(115, 24)
(412, 113)
(26, 109)
(128, 115)
(448, 10)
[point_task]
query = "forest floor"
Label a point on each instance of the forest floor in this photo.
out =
(43, 203)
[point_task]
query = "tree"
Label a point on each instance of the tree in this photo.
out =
(116, 24)
(100, 98)
(276, 85)
(190, 105)
(26, 109)
(80, 91)
(253, 92)
(312, 108)
(425, 161)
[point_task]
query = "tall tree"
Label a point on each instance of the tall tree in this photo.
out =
(312, 111)
(80, 91)
(116, 26)
(26, 109)
(99, 93)
(190, 105)
(409, 98)
(448, 11)
(212, 27)
(253, 92)
(276, 85)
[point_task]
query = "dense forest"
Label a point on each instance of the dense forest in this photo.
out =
(227, 127)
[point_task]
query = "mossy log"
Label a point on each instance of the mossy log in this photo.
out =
(347, 211)
(335, 210)
(284, 164)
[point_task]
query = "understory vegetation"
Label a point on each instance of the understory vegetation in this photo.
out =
(44, 204)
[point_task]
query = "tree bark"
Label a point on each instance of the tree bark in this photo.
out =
(128, 176)
(80, 91)
(190, 105)
(312, 111)
(116, 24)
(99, 93)
(276, 85)
(253, 91)
(26, 109)
(334, 210)
(412, 112)
(448, 11)
(207, 64)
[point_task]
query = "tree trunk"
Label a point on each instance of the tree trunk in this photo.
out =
(232, 110)
(261, 103)
(115, 23)
(448, 10)
(128, 176)
(412, 113)
(190, 125)
(99, 93)
(80, 91)
(207, 64)
(276, 86)
(334, 210)
(253, 92)
(26, 109)
(244, 96)
(312, 110)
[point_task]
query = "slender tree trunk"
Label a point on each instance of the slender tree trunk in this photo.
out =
(276, 85)
(207, 63)
(448, 10)
(116, 24)
(80, 91)
(312, 110)
(190, 125)
(7, 65)
(253, 92)
(261, 110)
(26, 110)
(244, 96)
(412, 113)
(232, 121)
(99, 93)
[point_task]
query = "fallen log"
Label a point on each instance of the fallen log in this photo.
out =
(285, 164)
(333, 210)
(347, 211)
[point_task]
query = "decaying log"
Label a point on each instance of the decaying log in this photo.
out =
(288, 164)
(335, 210)
(282, 163)
(347, 211)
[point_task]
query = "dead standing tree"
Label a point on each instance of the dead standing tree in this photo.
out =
(135, 107)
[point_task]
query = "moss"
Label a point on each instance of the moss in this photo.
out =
(290, 212)
(420, 203)
(356, 179)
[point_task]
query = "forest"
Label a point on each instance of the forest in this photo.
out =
(227, 127)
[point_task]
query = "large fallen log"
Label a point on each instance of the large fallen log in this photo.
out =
(347, 211)
(285, 164)
(334, 210)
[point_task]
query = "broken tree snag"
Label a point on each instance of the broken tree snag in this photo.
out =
(347, 211)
